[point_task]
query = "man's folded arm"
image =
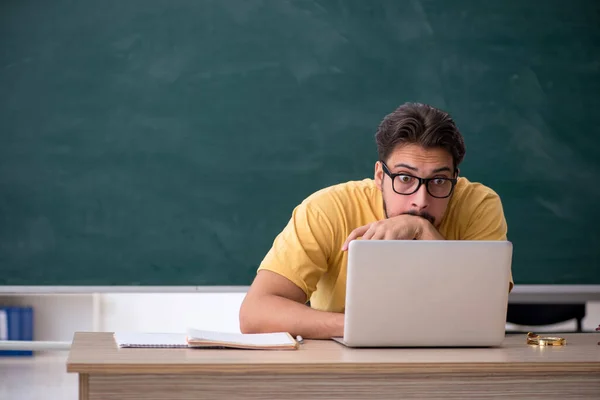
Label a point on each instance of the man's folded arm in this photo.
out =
(287, 277)
(276, 304)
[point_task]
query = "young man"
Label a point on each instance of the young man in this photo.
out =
(415, 194)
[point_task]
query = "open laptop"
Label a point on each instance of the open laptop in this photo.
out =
(426, 293)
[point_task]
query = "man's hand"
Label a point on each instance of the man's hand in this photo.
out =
(402, 227)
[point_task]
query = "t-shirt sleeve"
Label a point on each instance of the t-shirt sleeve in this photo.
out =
(488, 222)
(301, 251)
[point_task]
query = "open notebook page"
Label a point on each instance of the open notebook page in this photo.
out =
(246, 339)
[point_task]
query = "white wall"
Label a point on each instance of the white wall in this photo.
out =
(58, 316)
(171, 312)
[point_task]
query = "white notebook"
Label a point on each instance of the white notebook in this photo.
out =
(137, 339)
(206, 339)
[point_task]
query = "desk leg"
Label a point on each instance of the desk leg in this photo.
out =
(84, 387)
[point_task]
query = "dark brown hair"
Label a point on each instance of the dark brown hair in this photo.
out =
(416, 123)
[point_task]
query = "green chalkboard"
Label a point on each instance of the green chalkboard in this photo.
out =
(166, 142)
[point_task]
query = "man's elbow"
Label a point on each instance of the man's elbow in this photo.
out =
(247, 324)
(248, 320)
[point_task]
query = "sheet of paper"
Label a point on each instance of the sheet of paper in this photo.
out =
(256, 339)
(147, 339)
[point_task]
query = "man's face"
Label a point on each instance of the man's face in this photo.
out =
(412, 159)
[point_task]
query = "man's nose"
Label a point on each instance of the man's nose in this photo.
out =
(420, 199)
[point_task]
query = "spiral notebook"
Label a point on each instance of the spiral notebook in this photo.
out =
(157, 340)
(206, 339)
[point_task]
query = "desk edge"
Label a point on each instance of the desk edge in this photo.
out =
(337, 368)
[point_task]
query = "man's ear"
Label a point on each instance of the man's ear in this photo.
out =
(378, 176)
(457, 172)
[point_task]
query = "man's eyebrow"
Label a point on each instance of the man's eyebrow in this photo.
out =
(435, 171)
(401, 165)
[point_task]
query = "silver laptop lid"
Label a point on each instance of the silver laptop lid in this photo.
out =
(427, 293)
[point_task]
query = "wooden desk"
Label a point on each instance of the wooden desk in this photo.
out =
(326, 369)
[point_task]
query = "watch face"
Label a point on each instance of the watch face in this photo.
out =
(538, 340)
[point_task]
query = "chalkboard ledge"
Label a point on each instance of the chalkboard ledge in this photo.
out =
(119, 289)
(556, 294)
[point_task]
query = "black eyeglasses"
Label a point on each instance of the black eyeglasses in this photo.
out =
(406, 184)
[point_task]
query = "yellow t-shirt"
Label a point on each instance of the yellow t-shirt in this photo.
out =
(308, 250)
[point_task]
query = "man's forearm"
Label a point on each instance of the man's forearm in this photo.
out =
(271, 313)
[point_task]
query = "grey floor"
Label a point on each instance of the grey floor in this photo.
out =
(43, 376)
